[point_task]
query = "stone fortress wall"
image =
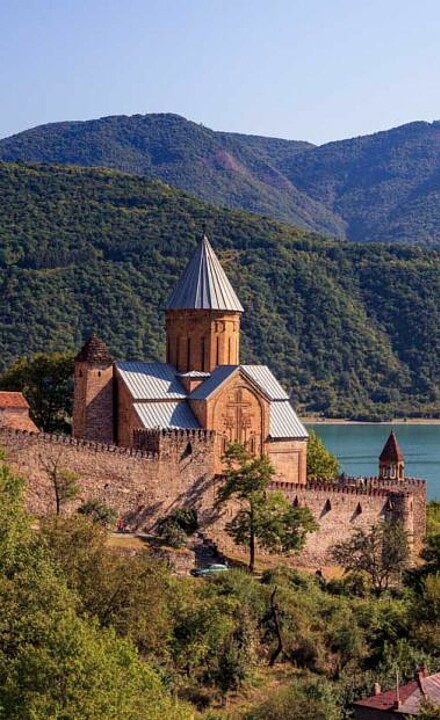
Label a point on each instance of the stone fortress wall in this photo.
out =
(170, 469)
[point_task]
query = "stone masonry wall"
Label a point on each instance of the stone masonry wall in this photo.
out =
(140, 486)
(143, 486)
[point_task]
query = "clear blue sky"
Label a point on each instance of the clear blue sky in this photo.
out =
(316, 70)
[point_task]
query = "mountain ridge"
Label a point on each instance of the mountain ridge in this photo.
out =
(379, 187)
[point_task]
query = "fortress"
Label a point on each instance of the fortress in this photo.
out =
(148, 437)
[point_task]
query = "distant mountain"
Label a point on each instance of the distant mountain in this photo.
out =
(382, 187)
(227, 169)
(351, 329)
(385, 186)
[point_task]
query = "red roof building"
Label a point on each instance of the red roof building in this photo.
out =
(400, 703)
(14, 412)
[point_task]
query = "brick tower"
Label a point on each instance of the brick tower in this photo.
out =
(391, 460)
(93, 415)
(203, 316)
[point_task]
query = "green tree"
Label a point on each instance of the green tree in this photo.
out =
(98, 512)
(53, 662)
(321, 464)
(113, 587)
(175, 527)
(64, 482)
(263, 517)
(382, 553)
(313, 700)
(46, 381)
(429, 711)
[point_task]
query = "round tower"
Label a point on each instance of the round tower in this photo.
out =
(93, 406)
(391, 460)
(203, 316)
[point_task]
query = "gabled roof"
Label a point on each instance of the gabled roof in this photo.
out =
(410, 697)
(259, 375)
(204, 285)
(94, 351)
(391, 451)
(284, 422)
(166, 415)
(386, 701)
(266, 381)
(217, 378)
(151, 381)
(13, 400)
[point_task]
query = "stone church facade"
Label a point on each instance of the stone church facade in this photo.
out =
(202, 386)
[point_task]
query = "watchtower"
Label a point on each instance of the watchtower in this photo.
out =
(391, 460)
(93, 410)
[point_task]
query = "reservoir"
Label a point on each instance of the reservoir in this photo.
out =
(358, 446)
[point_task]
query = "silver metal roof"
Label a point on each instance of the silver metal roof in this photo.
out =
(284, 422)
(266, 381)
(166, 415)
(204, 285)
(218, 377)
(431, 688)
(151, 381)
(258, 374)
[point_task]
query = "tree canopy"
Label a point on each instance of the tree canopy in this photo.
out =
(263, 517)
(46, 381)
(321, 463)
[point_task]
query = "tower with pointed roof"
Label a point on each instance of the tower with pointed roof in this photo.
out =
(93, 408)
(391, 460)
(203, 316)
(201, 386)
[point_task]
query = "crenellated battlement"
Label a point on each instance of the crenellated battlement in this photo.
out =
(373, 486)
(61, 439)
(331, 489)
(163, 441)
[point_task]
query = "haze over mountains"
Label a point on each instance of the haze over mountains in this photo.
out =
(381, 187)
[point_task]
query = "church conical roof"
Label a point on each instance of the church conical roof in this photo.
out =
(204, 285)
(391, 451)
(94, 351)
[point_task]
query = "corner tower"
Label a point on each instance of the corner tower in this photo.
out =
(93, 393)
(391, 460)
(203, 316)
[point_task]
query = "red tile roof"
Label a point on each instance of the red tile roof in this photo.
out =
(20, 421)
(411, 696)
(12, 400)
(391, 451)
(387, 700)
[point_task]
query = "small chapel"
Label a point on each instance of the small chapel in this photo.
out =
(201, 386)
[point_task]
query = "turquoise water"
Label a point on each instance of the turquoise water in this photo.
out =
(358, 448)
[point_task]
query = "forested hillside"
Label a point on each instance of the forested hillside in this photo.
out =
(222, 168)
(350, 329)
(381, 187)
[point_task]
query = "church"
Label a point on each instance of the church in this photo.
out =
(201, 386)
